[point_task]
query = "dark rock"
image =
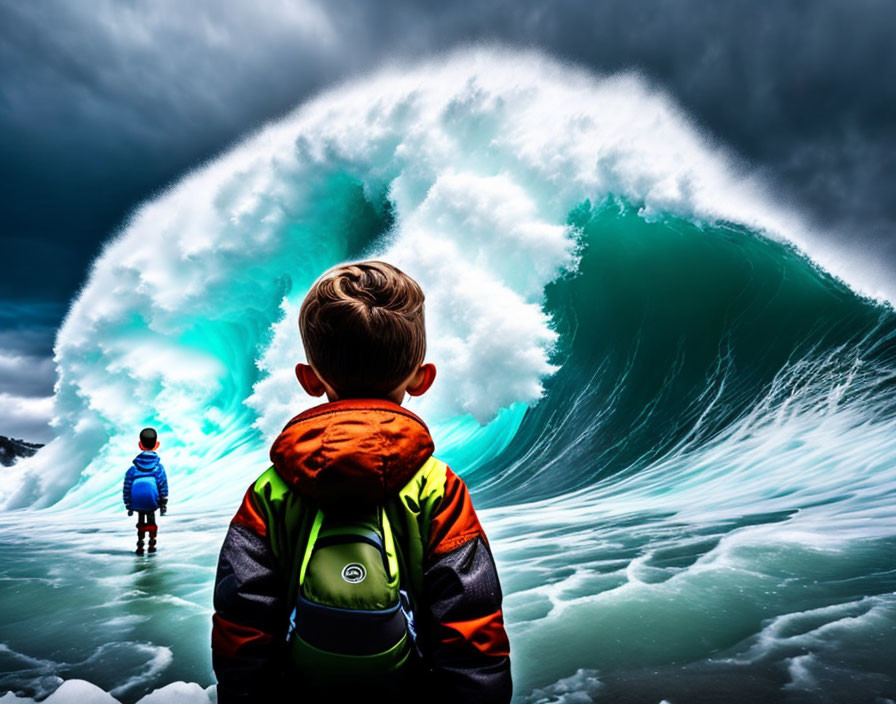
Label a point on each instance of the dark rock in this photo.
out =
(11, 450)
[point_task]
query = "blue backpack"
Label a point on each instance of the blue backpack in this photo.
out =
(145, 491)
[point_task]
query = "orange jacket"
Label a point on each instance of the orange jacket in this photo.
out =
(361, 451)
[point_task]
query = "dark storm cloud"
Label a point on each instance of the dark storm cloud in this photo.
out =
(28, 328)
(27, 374)
(102, 103)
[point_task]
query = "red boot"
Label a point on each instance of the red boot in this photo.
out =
(151, 529)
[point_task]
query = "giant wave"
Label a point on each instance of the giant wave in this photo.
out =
(464, 172)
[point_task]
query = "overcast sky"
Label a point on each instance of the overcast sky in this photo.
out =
(102, 103)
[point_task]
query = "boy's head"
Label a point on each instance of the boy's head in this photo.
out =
(364, 335)
(149, 439)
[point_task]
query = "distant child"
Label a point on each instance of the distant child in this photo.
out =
(356, 565)
(146, 489)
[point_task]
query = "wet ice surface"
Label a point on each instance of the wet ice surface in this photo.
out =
(633, 607)
(78, 604)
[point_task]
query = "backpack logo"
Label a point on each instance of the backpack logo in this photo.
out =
(354, 572)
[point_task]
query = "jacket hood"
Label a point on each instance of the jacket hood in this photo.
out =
(352, 451)
(147, 461)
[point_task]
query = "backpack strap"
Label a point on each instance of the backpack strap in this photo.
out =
(389, 545)
(309, 544)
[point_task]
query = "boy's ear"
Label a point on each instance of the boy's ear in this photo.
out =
(426, 374)
(157, 446)
(309, 380)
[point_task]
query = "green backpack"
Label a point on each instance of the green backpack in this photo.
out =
(351, 616)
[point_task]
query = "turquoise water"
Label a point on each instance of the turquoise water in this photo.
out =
(673, 333)
(679, 429)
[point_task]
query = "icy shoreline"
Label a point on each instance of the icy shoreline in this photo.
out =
(83, 692)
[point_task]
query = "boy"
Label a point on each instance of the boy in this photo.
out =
(363, 332)
(146, 489)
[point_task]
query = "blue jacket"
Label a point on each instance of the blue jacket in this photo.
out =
(145, 483)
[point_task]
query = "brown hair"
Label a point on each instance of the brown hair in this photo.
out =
(362, 327)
